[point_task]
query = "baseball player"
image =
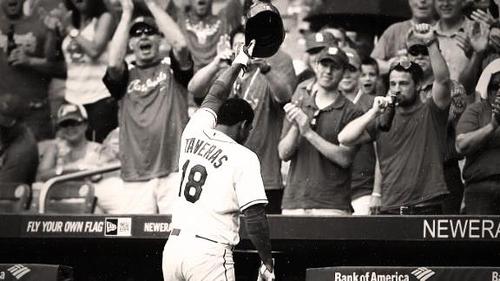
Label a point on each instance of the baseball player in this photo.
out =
(220, 180)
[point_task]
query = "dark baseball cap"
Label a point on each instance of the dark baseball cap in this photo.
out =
(71, 112)
(141, 22)
(315, 42)
(12, 108)
(353, 57)
(334, 54)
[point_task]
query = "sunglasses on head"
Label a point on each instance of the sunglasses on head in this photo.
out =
(418, 50)
(403, 62)
(70, 123)
(146, 30)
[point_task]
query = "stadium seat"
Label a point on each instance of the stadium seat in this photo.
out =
(71, 197)
(14, 197)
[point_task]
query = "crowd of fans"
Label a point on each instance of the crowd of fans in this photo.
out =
(411, 128)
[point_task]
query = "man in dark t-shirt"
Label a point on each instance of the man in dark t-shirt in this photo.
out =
(153, 107)
(478, 137)
(319, 179)
(411, 152)
(25, 70)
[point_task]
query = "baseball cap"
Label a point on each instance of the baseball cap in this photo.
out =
(143, 21)
(352, 57)
(71, 112)
(413, 44)
(334, 54)
(12, 109)
(315, 42)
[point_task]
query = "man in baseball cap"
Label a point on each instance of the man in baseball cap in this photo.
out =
(334, 54)
(317, 113)
(71, 112)
(315, 42)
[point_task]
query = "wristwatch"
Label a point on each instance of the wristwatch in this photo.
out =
(73, 33)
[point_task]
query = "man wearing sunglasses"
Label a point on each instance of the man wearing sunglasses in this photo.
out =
(319, 178)
(153, 106)
(411, 152)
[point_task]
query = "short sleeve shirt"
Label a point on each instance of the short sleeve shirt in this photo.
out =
(484, 162)
(152, 115)
(29, 84)
(269, 115)
(363, 165)
(315, 182)
(411, 155)
(452, 53)
(220, 178)
(392, 40)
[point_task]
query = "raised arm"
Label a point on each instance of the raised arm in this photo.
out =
(441, 93)
(119, 43)
(94, 48)
(206, 75)
(221, 88)
(478, 41)
(280, 76)
(171, 31)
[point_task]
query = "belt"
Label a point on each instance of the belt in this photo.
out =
(177, 232)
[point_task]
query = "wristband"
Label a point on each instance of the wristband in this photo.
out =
(376, 194)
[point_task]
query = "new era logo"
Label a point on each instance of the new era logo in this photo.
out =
(18, 270)
(118, 227)
(111, 226)
(423, 273)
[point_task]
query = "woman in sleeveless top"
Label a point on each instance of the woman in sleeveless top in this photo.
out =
(88, 30)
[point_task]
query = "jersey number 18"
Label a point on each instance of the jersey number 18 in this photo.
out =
(195, 181)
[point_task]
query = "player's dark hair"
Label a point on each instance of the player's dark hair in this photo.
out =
(372, 62)
(234, 110)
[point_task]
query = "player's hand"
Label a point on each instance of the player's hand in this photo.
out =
(265, 273)
(424, 32)
(262, 65)
(245, 54)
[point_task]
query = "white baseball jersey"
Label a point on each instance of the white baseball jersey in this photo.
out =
(220, 178)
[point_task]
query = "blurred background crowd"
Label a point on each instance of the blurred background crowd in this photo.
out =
(369, 107)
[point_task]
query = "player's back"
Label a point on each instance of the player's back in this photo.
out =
(219, 178)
